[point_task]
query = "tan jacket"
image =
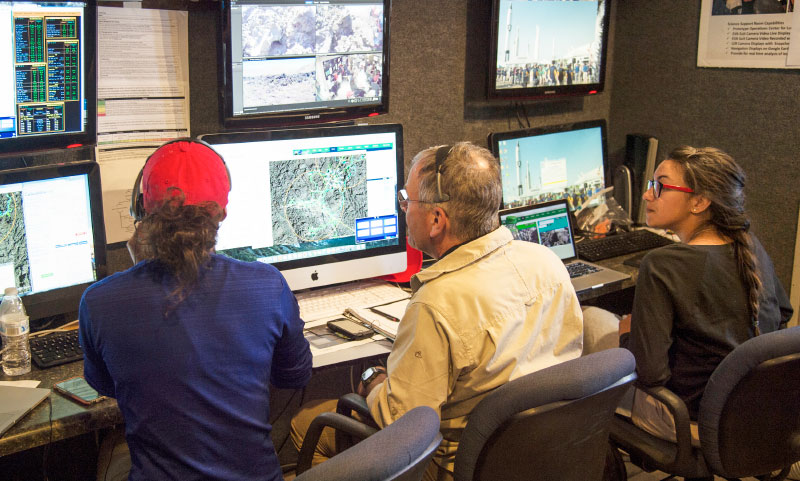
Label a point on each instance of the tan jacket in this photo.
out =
(492, 310)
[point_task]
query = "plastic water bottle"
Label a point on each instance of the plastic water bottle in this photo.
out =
(14, 330)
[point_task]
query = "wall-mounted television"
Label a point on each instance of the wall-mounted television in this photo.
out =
(289, 62)
(48, 86)
(543, 48)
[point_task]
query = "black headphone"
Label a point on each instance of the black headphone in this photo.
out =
(441, 155)
(137, 198)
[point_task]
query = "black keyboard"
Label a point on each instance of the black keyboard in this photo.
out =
(620, 244)
(577, 269)
(56, 348)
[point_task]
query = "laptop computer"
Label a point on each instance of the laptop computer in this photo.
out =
(550, 224)
(16, 402)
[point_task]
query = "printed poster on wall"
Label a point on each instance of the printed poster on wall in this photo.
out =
(745, 33)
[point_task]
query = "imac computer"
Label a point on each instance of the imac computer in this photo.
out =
(320, 204)
(556, 162)
(545, 48)
(52, 237)
(290, 62)
(48, 85)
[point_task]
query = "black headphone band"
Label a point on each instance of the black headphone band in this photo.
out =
(137, 198)
(441, 155)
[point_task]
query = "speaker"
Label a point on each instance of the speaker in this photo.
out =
(622, 188)
(640, 158)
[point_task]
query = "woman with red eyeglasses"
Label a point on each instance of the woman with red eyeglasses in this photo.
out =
(696, 300)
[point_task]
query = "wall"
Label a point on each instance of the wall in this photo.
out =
(750, 113)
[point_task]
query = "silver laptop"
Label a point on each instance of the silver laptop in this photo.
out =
(16, 402)
(550, 224)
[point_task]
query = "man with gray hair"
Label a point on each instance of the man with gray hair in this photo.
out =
(491, 309)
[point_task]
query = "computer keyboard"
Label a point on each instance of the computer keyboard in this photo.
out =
(332, 301)
(577, 269)
(620, 244)
(56, 348)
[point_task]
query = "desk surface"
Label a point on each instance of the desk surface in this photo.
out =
(58, 417)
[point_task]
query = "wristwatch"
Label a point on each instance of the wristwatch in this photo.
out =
(370, 374)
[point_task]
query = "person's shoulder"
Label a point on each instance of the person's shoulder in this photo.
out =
(118, 281)
(266, 274)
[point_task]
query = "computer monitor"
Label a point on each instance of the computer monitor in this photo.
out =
(556, 162)
(52, 237)
(48, 90)
(299, 62)
(319, 203)
(546, 48)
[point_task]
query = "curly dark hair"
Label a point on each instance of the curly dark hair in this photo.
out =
(179, 240)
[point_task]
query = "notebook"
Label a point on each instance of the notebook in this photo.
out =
(16, 402)
(550, 224)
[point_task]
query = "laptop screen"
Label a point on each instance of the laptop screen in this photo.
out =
(547, 224)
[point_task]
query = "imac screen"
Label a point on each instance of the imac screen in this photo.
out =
(319, 203)
(290, 62)
(47, 75)
(547, 163)
(52, 238)
(546, 47)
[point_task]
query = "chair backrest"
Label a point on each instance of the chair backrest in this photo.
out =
(399, 452)
(551, 424)
(749, 417)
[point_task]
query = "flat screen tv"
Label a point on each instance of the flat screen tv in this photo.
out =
(320, 204)
(567, 161)
(543, 48)
(52, 236)
(48, 87)
(290, 62)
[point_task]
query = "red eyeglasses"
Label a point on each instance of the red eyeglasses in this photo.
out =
(657, 186)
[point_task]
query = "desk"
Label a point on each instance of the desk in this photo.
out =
(71, 419)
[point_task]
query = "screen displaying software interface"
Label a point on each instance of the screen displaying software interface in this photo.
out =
(42, 68)
(547, 225)
(46, 236)
(306, 198)
(559, 165)
(289, 56)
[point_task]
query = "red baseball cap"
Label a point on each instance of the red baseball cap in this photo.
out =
(191, 166)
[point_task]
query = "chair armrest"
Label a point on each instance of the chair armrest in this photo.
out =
(350, 403)
(335, 421)
(680, 414)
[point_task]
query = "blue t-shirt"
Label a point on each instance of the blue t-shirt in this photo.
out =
(193, 387)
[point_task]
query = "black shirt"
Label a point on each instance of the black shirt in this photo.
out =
(690, 310)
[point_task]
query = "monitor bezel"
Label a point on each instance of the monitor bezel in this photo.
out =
(299, 117)
(66, 299)
(88, 136)
(297, 280)
(541, 92)
(495, 138)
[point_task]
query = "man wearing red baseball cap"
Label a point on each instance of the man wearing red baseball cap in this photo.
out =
(188, 341)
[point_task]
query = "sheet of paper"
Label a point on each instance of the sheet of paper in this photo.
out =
(393, 310)
(141, 104)
(20, 383)
(730, 38)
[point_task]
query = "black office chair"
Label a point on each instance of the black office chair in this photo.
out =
(551, 424)
(399, 452)
(749, 419)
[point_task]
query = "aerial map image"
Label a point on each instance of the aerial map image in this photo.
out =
(13, 248)
(317, 199)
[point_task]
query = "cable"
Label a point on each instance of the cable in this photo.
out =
(66, 327)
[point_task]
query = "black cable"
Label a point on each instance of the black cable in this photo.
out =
(525, 113)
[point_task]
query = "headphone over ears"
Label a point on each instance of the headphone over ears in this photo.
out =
(137, 198)
(441, 155)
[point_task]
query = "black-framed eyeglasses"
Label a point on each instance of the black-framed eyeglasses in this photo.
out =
(403, 200)
(657, 186)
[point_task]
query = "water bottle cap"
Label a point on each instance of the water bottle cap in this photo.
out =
(11, 291)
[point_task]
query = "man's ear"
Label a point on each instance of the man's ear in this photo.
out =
(439, 223)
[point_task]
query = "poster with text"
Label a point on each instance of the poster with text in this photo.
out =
(745, 33)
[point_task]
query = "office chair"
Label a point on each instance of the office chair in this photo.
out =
(399, 452)
(749, 419)
(550, 424)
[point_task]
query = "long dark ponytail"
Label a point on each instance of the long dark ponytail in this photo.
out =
(715, 175)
